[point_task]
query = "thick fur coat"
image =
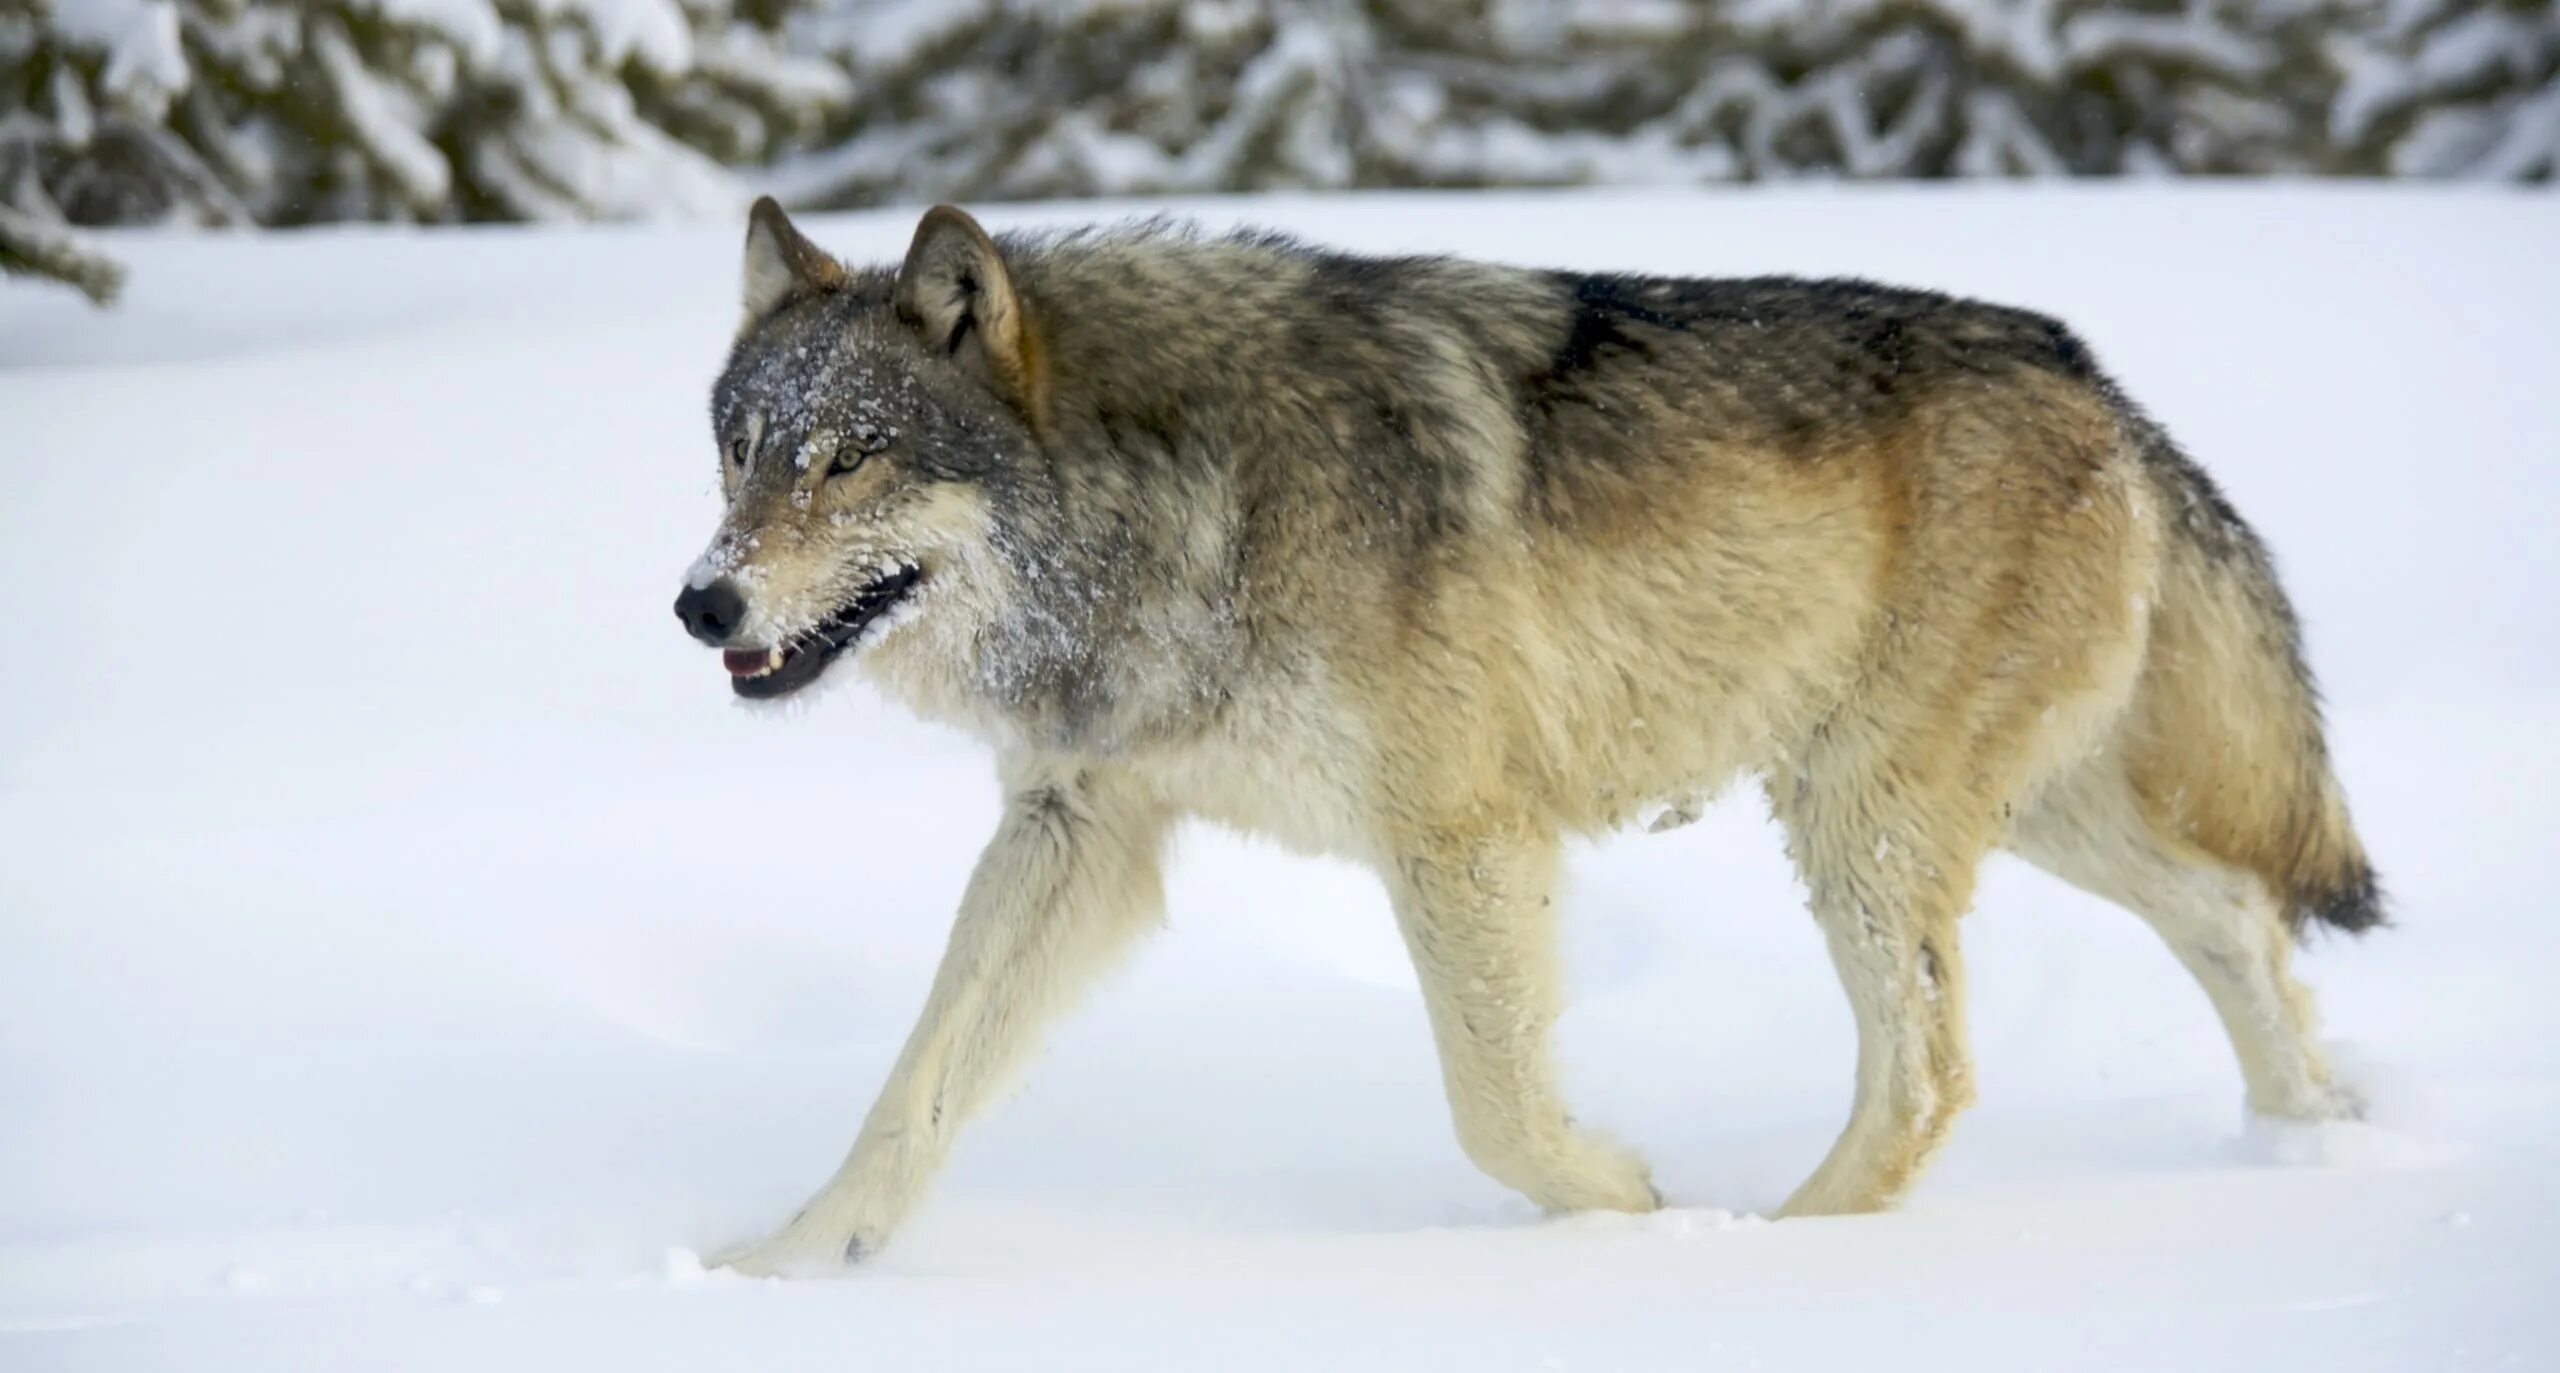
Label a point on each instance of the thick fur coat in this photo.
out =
(1431, 564)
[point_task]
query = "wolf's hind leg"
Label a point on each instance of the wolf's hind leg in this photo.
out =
(1478, 913)
(1890, 871)
(1070, 878)
(2089, 830)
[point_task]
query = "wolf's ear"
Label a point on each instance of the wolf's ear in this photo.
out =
(956, 292)
(782, 265)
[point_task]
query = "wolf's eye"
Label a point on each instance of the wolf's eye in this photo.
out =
(861, 443)
(737, 452)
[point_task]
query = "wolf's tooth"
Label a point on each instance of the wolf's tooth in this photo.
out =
(772, 658)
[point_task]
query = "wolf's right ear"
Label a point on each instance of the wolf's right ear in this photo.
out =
(782, 264)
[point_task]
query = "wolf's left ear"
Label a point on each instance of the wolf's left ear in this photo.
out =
(956, 292)
(783, 265)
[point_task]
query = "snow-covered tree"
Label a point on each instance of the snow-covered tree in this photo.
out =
(216, 112)
(2443, 87)
(1026, 98)
(288, 111)
(80, 94)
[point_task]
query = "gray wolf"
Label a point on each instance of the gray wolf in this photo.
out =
(1432, 564)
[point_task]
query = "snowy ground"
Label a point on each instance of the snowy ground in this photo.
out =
(409, 959)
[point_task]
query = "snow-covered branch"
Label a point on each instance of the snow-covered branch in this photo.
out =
(289, 111)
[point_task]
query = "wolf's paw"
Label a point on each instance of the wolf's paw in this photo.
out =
(2313, 1104)
(798, 1250)
(1591, 1175)
(2343, 1136)
(2338, 1101)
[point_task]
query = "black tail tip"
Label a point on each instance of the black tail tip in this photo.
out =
(2354, 905)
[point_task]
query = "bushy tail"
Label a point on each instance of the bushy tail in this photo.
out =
(2230, 751)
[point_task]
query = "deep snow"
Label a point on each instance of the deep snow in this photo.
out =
(409, 959)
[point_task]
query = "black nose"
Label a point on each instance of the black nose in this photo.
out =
(711, 613)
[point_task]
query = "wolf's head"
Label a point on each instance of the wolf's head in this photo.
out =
(870, 427)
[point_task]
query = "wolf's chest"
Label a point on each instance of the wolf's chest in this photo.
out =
(1299, 781)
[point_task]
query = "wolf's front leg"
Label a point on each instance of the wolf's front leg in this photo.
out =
(1477, 907)
(1071, 875)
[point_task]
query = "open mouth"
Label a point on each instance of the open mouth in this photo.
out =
(762, 674)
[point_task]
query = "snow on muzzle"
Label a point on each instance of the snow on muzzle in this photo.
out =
(779, 670)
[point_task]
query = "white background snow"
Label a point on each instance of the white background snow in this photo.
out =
(409, 959)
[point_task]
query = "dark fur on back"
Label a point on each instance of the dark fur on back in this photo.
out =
(1597, 369)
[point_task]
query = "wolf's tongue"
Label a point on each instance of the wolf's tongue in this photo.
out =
(747, 662)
